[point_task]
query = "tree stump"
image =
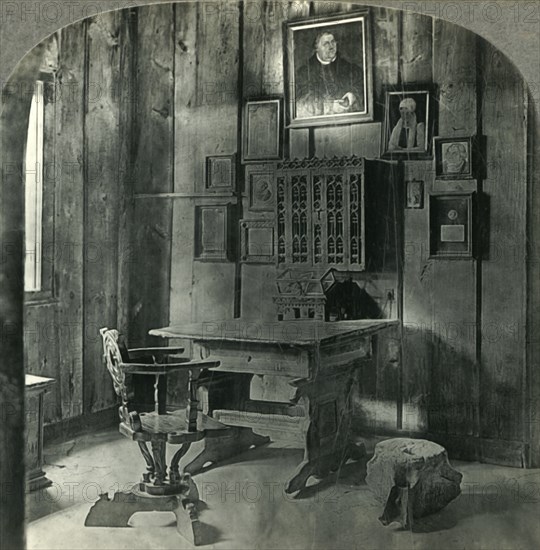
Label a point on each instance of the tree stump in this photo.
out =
(413, 478)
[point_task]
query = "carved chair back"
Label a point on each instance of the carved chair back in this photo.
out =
(114, 354)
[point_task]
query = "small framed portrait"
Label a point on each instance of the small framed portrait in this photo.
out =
(262, 137)
(257, 241)
(260, 192)
(328, 70)
(454, 157)
(409, 123)
(415, 193)
(451, 225)
(220, 173)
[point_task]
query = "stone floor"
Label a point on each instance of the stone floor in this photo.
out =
(247, 509)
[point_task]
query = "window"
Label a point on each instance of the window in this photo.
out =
(39, 186)
(33, 185)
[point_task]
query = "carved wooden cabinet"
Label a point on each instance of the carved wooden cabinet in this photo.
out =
(342, 212)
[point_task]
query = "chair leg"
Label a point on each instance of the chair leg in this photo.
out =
(150, 466)
(174, 471)
(158, 450)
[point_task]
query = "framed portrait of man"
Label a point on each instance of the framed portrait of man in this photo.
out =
(409, 122)
(454, 157)
(328, 70)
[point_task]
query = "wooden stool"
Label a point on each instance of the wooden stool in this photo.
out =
(413, 478)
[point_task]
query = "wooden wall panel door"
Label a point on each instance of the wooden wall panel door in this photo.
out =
(69, 216)
(153, 171)
(207, 104)
(415, 66)
(101, 194)
(504, 110)
(453, 401)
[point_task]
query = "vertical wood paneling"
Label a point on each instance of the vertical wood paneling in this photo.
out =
(102, 143)
(126, 102)
(386, 51)
(183, 210)
(152, 171)
(504, 271)
(418, 294)
(215, 132)
(416, 48)
(68, 219)
(417, 305)
(533, 291)
(454, 395)
(206, 123)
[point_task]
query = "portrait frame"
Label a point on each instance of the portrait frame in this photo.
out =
(306, 102)
(260, 192)
(414, 190)
(451, 229)
(262, 129)
(220, 173)
(257, 241)
(424, 96)
(454, 157)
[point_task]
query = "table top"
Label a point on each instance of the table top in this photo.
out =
(297, 332)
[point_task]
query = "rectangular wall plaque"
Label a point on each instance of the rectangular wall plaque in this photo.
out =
(257, 241)
(451, 225)
(212, 232)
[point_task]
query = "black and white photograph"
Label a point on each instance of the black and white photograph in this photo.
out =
(329, 70)
(269, 275)
(454, 157)
(407, 122)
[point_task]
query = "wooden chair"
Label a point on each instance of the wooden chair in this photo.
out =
(157, 427)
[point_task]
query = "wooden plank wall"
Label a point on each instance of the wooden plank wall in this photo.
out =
(185, 71)
(503, 312)
(101, 192)
(453, 402)
(69, 215)
(207, 38)
(153, 171)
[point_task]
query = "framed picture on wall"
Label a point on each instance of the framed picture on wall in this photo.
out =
(454, 157)
(415, 193)
(451, 225)
(328, 70)
(212, 232)
(262, 135)
(220, 173)
(257, 241)
(409, 122)
(260, 192)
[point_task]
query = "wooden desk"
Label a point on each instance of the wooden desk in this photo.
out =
(319, 359)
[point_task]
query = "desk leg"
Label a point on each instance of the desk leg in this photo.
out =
(219, 448)
(328, 443)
